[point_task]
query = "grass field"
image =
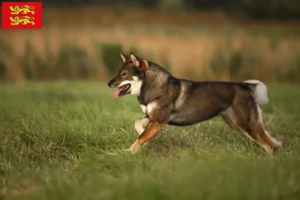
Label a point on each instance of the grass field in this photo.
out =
(66, 140)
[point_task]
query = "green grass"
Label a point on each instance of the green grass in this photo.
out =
(66, 140)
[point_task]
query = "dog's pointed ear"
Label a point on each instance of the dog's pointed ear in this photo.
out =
(144, 64)
(135, 60)
(124, 57)
(141, 64)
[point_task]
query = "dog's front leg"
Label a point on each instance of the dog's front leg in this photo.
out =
(141, 124)
(149, 133)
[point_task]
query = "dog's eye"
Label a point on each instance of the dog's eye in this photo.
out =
(124, 74)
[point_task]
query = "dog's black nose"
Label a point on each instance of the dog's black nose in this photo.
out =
(109, 83)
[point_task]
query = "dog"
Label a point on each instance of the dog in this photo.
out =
(166, 99)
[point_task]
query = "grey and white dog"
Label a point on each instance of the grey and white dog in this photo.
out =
(168, 100)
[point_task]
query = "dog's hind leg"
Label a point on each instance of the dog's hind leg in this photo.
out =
(266, 140)
(246, 118)
(264, 134)
(242, 125)
(141, 124)
(231, 120)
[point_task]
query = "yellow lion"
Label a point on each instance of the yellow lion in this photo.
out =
(23, 20)
(15, 10)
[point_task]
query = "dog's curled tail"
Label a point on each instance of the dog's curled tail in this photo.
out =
(260, 91)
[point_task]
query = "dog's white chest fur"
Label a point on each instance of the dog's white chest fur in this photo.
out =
(136, 85)
(149, 108)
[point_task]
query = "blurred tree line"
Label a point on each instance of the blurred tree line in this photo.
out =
(254, 9)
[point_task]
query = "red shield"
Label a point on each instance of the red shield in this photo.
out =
(21, 15)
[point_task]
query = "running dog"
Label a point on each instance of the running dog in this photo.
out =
(166, 99)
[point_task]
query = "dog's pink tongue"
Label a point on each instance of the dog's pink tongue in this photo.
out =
(117, 93)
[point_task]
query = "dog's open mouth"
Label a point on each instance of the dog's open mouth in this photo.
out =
(122, 90)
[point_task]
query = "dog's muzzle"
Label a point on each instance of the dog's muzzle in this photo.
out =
(111, 84)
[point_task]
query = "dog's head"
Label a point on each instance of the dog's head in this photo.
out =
(129, 79)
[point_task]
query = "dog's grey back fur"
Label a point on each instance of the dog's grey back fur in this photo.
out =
(192, 101)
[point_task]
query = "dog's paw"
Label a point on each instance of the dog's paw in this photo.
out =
(134, 147)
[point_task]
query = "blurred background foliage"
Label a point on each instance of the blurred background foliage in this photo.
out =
(196, 39)
(273, 9)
